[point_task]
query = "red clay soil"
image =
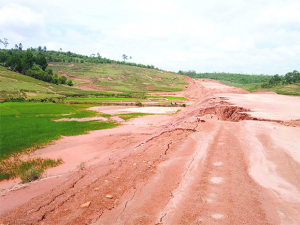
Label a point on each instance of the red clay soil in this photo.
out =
(210, 163)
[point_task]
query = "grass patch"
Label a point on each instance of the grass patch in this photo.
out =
(166, 89)
(31, 174)
(114, 99)
(287, 89)
(128, 116)
(105, 115)
(176, 98)
(27, 170)
(30, 125)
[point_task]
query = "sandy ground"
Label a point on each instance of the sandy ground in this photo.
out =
(196, 166)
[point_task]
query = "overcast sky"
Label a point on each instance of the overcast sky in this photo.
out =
(249, 36)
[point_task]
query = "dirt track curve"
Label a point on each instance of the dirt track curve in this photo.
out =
(222, 160)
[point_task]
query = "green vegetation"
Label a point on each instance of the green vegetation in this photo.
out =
(99, 100)
(132, 83)
(285, 85)
(119, 78)
(25, 125)
(128, 116)
(35, 83)
(176, 98)
(81, 166)
(31, 174)
(286, 89)
(109, 74)
(229, 77)
(27, 170)
(27, 63)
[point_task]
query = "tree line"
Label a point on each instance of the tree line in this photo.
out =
(288, 78)
(231, 77)
(69, 57)
(30, 64)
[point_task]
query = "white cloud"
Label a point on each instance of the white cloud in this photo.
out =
(21, 20)
(250, 36)
(281, 15)
(74, 36)
(55, 31)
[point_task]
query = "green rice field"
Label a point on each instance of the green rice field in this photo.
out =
(25, 125)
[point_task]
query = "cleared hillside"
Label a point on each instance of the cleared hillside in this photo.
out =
(118, 78)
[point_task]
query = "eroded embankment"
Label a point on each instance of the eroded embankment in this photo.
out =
(101, 186)
(227, 113)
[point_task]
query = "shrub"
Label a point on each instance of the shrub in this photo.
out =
(70, 83)
(81, 166)
(62, 80)
(11, 99)
(138, 104)
(31, 174)
(4, 176)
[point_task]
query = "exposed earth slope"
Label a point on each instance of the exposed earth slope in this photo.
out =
(229, 158)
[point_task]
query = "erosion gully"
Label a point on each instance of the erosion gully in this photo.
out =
(211, 163)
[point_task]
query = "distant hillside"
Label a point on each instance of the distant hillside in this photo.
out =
(90, 75)
(118, 77)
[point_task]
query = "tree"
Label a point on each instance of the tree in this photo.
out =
(125, 57)
(27, 60)
(130, 58)
(45, 48)
(14, 62)
(20, 46)
(41, 60)
(289, 77)
(70, 83)
(3, 56)
(16, 47)
(99, 56)
(62, 80)
(4, 42)
(49, 71)
(60, 49)
(39, 48)
(296, 76)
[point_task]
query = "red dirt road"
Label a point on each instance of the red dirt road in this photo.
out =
(211, 163)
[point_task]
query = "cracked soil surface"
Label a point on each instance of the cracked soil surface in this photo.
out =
(211, 163)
